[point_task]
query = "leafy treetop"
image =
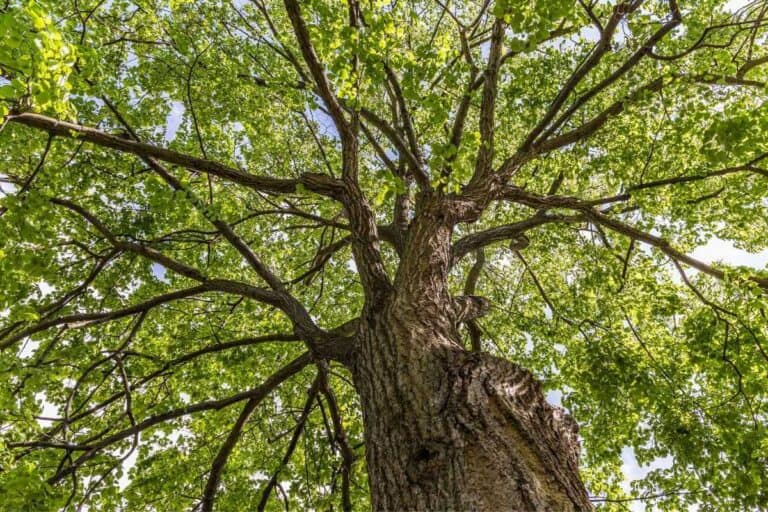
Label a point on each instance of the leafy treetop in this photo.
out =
(176, 231)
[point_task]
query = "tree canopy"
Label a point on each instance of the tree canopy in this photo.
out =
(185, 246)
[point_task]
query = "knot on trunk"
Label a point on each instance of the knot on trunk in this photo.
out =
(470, 307)
(426, 462)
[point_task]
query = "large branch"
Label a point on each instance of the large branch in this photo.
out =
(339, 438)
(597, 122)
(540, 139)
(600, 49)
(593, 125)
(161, 371)
(79, 319)
(214, 477)
(405, 114)
(220, 461)
(417, 164)
(551, 200)
(123, 245)
(485, 153)
(476, 196)
(587, 209)
(402, 147)
(631, 62)
(211, 285)
(101, 263)
(665, 247)
(750, 166)
(318, 183)
(481, 239)
(365, 243)
(292, 445)
(224, 228)
(470, 285)
(478, 79)
(258, 393)
(319, 341)
(322, 83)
(701, 42)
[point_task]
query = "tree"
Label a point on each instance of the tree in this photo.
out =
(321, 254)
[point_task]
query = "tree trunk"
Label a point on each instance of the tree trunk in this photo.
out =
(447, 429)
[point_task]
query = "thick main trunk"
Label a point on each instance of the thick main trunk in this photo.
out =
(446, 429)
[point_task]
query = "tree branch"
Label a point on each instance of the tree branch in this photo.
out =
(220, 461)
(339, 438)
(481, 239)
(257, 393)
(318, 183)
(630, 63)
(665, 247)
(324, 89)
(362, 220)
(591, 214)
(80, 319)
(602, 46)
(597, 122)
(318, 340)
(122, 245)
(214, 348)
(485, 153)
(292, 445)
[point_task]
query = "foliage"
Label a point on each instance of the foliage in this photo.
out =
(651, 349)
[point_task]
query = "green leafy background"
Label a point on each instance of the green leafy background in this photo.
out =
(642, 360)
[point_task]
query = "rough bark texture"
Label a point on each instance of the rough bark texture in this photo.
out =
(452, 430)
(448, 429)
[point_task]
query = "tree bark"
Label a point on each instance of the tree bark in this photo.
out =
(448, 429)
